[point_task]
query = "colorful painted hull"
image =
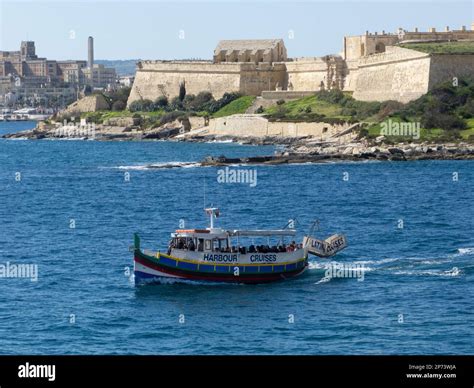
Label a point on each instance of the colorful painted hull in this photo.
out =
(159, 267)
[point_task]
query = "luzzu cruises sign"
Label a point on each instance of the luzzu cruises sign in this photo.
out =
(325, 248)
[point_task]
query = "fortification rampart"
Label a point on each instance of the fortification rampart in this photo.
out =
(404, 75)
(156, 78)
(400, 74)
(444, 67)
(248, 125)
(306, 74)
(372, 66)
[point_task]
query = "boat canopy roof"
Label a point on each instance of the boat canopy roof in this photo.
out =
(221, 233)
(274, 232)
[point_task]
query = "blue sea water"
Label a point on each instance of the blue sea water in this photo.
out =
(416, 296)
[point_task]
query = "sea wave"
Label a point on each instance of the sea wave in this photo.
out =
(325, 279)
(455, 271)
(397, 265)
(153, 166)
(465, 251)
(220, 141)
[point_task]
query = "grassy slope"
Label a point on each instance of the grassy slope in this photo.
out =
(442, 48)
(296, 108)
(240, 105)
(107, 114)
(469, 131)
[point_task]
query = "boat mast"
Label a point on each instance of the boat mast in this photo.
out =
(212, 212)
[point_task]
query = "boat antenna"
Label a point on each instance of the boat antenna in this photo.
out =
(314, 225)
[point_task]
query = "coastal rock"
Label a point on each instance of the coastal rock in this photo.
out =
(394, 150)
(122, 121)
(347, 151)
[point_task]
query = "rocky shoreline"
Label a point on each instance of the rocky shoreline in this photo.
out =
(392, 154)
(292, 150)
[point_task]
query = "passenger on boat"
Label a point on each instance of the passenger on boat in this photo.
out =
(191, 246)
(200, 245)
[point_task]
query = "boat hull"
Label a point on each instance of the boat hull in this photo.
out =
(163, 267)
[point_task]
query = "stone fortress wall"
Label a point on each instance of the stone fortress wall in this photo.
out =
(371, 66)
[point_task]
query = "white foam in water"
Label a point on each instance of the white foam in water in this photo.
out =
(220, 141)
(455, 271)
(152, 166)
(324, 280)
(465, 251)
(380, 261)
(320, 265)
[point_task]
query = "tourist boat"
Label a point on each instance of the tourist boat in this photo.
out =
(232, 256)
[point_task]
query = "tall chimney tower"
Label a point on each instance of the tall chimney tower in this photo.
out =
(90, 52)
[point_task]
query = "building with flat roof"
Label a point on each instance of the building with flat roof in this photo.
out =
(22, 71)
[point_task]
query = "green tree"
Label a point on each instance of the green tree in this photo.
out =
(182, 91)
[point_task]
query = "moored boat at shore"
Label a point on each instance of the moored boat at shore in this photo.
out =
(230, 256)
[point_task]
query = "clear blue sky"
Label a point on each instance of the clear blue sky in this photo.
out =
(150, 29)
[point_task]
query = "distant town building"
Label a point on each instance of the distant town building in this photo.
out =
(32, 78)
(126, 80)
(100, 76)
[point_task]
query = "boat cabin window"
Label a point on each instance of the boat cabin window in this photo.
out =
(200, 244)
(187, 243)
(240, 245)
(221, 245)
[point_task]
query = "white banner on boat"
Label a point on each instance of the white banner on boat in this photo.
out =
(325, 248)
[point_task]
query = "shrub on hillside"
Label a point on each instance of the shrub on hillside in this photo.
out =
(467, 111)
(144, 105)
(176, 104)
(214, 105)
(161, 102)
(119, 105)
(448, 122)
(171, 116)
(388, 108)
(200, 102)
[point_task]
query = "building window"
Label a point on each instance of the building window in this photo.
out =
(380, 47)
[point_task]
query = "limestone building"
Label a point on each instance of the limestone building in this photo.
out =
(374, 66)
(26, 68)
(255, 51)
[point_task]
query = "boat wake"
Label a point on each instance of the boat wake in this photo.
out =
(446, 266)
(465, 251)
(455, 271)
